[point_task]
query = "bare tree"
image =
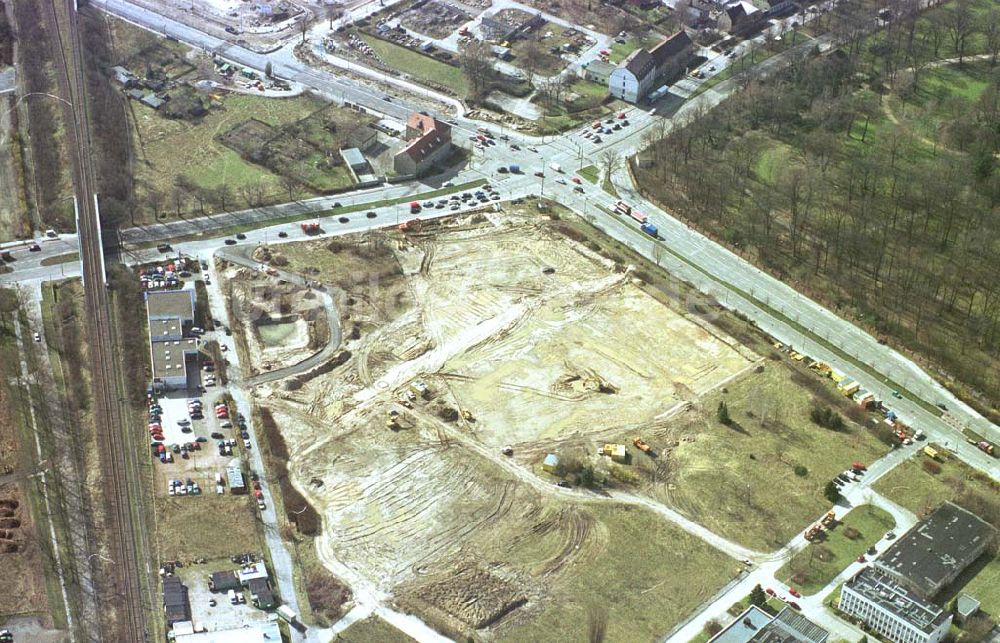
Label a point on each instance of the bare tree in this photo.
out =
(476, 59)
(961, 24)
(530, 59)
(333, 12)
(609, 162)
(292, 185)
(305, 23)
(991, 31)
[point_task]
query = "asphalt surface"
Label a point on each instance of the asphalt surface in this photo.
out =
(779, 310)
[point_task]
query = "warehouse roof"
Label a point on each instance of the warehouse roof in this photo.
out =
(937, 548)
(264, 632)
(175, 600)
(790, 627)
(163, 329)
(743, 627)
(168, 357)
(166, 304)
(881, 588)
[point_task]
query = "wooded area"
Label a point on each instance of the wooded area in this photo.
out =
(867, 178)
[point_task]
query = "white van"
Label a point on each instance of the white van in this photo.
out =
(232, 597)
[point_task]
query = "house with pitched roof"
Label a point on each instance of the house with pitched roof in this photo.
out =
(639, 72)
(428, 142)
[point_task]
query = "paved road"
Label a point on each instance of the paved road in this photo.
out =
(776, 308)
(241, 256)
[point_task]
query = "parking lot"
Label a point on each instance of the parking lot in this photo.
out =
(223, 615)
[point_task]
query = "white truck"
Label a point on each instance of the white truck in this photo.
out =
(556, 167)
(286, 613)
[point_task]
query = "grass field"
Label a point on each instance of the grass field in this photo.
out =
(172, 148)
(418, 66)
(372, 630)
(662, 575)
(921, 492)
(740, 480)
(819, 563)
(208, 526)
(546, 62)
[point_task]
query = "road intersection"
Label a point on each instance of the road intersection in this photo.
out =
(715, 271)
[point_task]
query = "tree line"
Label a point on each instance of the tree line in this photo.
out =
(894, 223)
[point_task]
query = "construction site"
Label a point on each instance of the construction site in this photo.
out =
(469, 348)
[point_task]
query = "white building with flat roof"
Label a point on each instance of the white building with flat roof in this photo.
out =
(891, 609)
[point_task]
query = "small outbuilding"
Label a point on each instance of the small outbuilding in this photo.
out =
(550, 463)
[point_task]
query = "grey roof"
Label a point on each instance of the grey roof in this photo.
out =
(670, 46)
(165, 304)
(163, 329)
(353, 156)
(790, 627)
(234, 476)
(175, 600)
(640, 62)
(743, 627)
(224, 581)
(152, 101)
(600, 67)
(967, 605)
(937, 549)
(881, 589)
(168, 357)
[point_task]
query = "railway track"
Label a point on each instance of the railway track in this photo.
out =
(123, 575)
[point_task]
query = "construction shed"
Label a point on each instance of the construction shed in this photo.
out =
(550, 463)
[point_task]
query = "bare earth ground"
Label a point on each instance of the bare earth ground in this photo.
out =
(431, 511)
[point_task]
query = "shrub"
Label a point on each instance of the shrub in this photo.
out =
(851, 533)
(801, 471)
(826, 418)
(931, 467)
(713, 627)
(723, 413)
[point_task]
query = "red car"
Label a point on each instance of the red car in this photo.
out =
(794, 592)
(862, 559)
(621, 116)
(794, 605)
(769, 592)
(576, 180)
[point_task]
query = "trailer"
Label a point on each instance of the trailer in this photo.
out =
(623, 208)
(638, 216)
(287, 613)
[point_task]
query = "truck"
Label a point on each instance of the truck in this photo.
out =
(310, 227)
(641, 444)
(407, 226)
(622, 208)
(286, 613)
(649, 229)
(828, 519)
(638, 216)
(983, 446)
(931, 453)
(414, 207)
(556, 167)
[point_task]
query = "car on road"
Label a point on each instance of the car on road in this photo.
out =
(890, 535)
(34, 248)
(37, 337)
(282, 234)
(794, 592)
(576, 180)
(862, 559)
(448, 184)
(579, 189)
(532, 148)
(794, 605)
(769, 592)
(344, 220)
(229, 242)
(561, 181)
(241, 236)
(564, 484)
(231, 29)
(371, 214)
(872, 551)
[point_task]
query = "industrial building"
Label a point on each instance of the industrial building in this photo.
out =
(891, 609)
(937, 550)
(176, 604)
(173, 358)
(755, 625)
(263, 632)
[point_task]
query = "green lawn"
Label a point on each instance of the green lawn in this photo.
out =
(590, 173)
(919, 491)
(819, 563)
(620, 50)
(985, 586)
(372, 630)
(418, 66)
